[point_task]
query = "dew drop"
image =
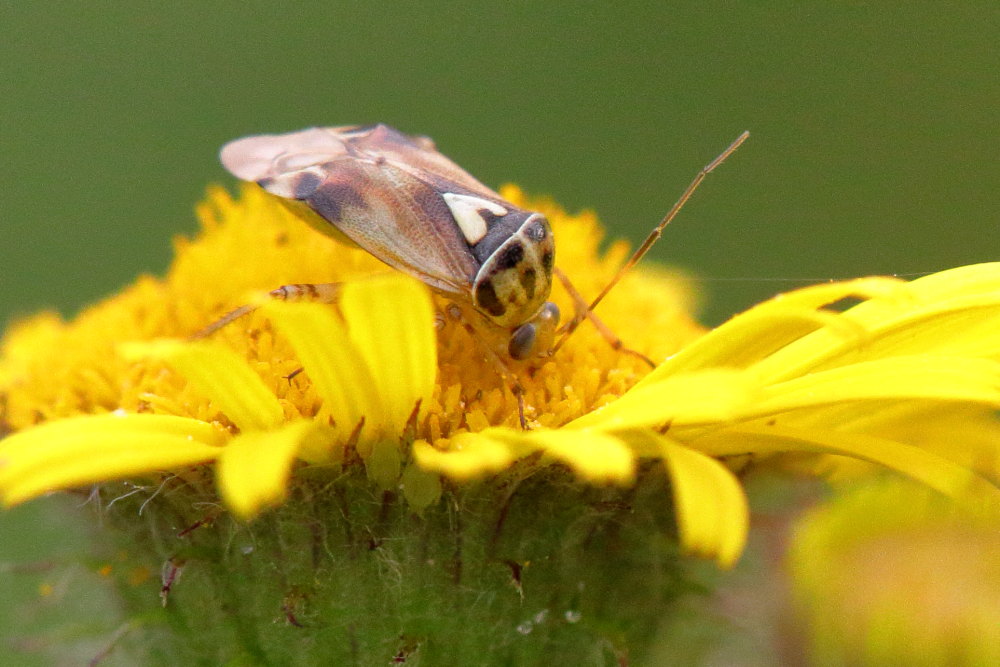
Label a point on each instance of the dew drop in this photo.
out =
(526, 628)
(573, 615)
(541, 616)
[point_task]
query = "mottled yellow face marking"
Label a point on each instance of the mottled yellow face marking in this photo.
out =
(516, 280)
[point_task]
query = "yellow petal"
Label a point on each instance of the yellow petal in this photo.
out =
(888, 572)
(712, 512)
(391, 322)
(963, 280)
(594, 456)
(965, 325)
(254, 467)
(767, 327)
(470, 456)
(700, 397)
(86, 450)
(934, 471)
(933, 426)
(220, 375)
(957, 379)
(333, 364)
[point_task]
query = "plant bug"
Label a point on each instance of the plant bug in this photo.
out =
(398, 198)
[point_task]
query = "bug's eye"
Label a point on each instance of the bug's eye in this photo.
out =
(522, 341)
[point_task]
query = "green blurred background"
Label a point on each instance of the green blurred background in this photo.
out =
(874, 149)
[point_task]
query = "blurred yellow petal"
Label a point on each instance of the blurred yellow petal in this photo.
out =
(713, 517)
(86, 450)
(391, 322)
(470, 456)
(221, 376)
(595, 457)
(890, 573)
(332, 363)
(254, 468)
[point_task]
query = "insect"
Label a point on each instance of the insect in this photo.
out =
(411, 207)
(398, 198)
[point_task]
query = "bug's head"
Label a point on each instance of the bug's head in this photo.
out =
(515, 278)
(535, 337)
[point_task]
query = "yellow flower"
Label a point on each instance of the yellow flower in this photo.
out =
(917, 582)
(791, 375)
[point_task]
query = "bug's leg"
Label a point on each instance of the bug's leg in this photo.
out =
(582, 312)
(320, 293)
(506, 374)
(656, 233)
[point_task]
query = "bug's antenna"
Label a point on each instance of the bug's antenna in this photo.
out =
(654, 235)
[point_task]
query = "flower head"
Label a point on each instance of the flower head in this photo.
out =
(917, 582)
(908, 379)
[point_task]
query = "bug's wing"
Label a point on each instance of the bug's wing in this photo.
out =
(419, 156)
(275, 155)
(371, 196)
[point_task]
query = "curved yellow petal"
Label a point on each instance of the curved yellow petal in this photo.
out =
(713, 517)
(390, 320)
(86, 450)
(470, 456)
(253, 469)
(965, 325)
(333, 364)
(221, 376)
(768, 327)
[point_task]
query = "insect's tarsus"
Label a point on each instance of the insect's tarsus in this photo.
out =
(654, 235)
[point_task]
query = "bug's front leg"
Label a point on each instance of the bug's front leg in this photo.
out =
(318, 293)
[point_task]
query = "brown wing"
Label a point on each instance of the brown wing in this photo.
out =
(374, 197)
(417, 155)
(273, 155)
